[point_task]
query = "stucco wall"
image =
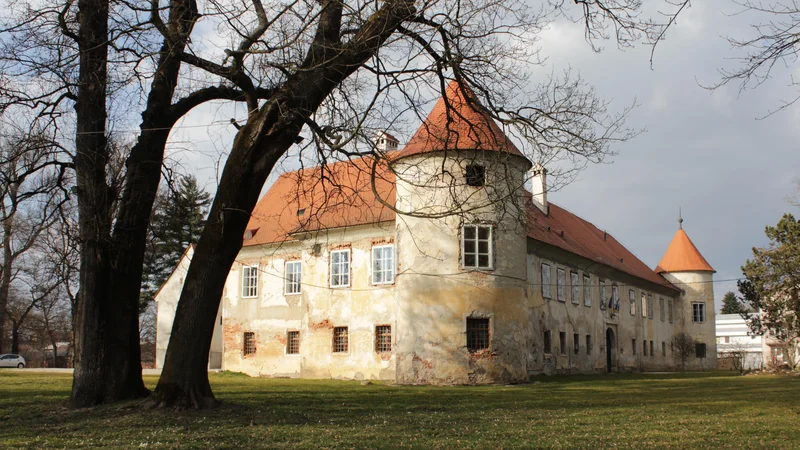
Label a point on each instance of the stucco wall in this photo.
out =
(697, 287)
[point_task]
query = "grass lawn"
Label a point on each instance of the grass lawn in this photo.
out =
(700, 410)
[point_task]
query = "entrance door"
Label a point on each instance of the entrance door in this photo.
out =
(611, 350)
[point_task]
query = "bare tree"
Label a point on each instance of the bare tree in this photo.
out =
(683, 347)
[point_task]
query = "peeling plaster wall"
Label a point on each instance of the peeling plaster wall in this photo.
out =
(314, 312)
(698, 287)
(435, 295)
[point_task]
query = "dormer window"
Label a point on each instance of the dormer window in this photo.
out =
(250, 234)
(476, 175)
(300, 212)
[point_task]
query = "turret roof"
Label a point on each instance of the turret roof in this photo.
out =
(458, 122)
(683, 256)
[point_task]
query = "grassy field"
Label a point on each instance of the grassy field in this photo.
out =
(705, 410)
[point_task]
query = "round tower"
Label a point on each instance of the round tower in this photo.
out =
(684, 266)
(461, 245)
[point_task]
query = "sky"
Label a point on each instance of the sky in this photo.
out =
(710, 153)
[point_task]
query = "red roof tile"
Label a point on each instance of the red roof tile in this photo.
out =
(458, 122)
(683, 256)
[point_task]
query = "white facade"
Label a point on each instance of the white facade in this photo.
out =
(733, 338)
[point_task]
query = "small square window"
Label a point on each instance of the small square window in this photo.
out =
(341, 340)
(562, 341)
(576, 343)
(477, 334)
(383, 338)
(249, 343)
(292, 342)
(548, 342)
(476, 175)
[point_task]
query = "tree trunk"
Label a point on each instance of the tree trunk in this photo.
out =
(15, 336)
(5, 276)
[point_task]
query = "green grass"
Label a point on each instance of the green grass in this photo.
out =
(700, 410)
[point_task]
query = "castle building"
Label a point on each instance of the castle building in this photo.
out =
(440, 266)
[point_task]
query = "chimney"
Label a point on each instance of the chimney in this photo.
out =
(385, 142)
(539, 187)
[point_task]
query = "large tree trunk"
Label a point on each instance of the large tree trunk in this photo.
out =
(5, 276)
(15, 336)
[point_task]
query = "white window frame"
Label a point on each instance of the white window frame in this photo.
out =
(347, 265)
(574, 288)
(477, 252)
(547, 287)
(587, 290)
(561, 282)
(644, 305)
(383, 270)
(702, 309)
(291, 282)
(247, 276)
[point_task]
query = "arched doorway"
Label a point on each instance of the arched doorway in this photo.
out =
(611, 350)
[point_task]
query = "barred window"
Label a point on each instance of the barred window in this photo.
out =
(547, 288)
(561, 288)
(340, 268)
(588, 344)
(574, 288)
(576, 343)
(562, 342)
(383, 338)
(632, 298)
(249, 343)
(292, 277)
(548, 342)
(292, 342)
(476, 247)
(340, 340)
(249, 281)
(698, 313)
(587, 290)
(477, 334)
(383, 264)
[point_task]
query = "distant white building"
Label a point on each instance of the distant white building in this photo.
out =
(733, 338)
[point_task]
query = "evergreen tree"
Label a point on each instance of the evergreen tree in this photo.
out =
(178, 219)
(731, 305)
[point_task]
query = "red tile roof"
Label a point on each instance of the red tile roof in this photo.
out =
(683, 256)
(458, 122)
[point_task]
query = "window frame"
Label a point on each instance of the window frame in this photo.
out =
(346, 340)
(249, 337)
(287, 281)
(548, 285)
(247, 271)
(661, 309)
(472, 336)
(475, 179)
(633, 343)
(650, 307)
(632, 298)
(697, 353)
(379, 342)
(576, 343)
(670, 310)
(574, 288)
(614, 301)
(331, 264)
(651, 349)
(561, 282)
(547, 342)
(562, 342)
(477, 253)
(393, 264)
(602, 284)
(289, 342)
(587, 290)
(644, 305)
(588, 344)
(702, 311)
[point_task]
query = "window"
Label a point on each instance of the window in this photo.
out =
(588, 344)
(587, 291)
(632, 298)
(249, 281)
(548, 342)
(700, 350)
(340, 268)
(574, 288)
(340, 340)
(644, 347)
(249, 343)
(602, 295)
(651, 349)
(292, 277)
(562, 341)
(477, 334)
(561, 280)
(644, 304)
(576, 343)
(614, 302)
(663, 348)
(633, 345)
(546, 287)
(698, 313)
(383, 264)
(476, 175)
(292, 342)
(383, 338)
(727, 339)
(669, 310)
(650, 307)
(661, 310)
(476, 247)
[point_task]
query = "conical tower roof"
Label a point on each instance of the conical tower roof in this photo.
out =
(683, 256)
(458, 122)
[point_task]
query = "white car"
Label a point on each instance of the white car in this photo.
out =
(12, 361)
